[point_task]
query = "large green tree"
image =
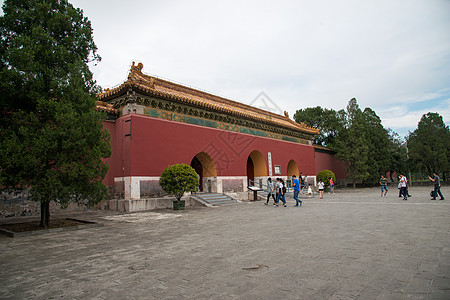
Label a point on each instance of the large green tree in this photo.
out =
(397, 153)
(377, 139)
(328, 121)
(359, 139)
(51, 138)
(429, 145)
(352, 145)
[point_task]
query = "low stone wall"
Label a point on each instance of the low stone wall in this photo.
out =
(147, 204)
(18, 204)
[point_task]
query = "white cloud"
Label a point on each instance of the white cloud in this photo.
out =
(390, 55)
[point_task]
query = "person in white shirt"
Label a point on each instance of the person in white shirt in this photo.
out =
(280, 191)
(270, 191)
(402, 184)
(321, 186)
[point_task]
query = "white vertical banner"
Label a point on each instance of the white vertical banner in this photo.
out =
(269, 159)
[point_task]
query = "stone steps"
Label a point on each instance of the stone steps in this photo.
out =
(215, 199)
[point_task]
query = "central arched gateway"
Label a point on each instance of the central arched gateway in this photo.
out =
(205, 167)
(256, 167)
(292, 168)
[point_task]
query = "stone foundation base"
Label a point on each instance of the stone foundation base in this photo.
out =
(147, 204)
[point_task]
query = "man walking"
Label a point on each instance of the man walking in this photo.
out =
(302, 181)
(437, 186)
(296, 183)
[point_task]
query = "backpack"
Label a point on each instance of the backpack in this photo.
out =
(432, 194)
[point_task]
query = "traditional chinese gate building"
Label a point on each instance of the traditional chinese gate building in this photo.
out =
(155, 123)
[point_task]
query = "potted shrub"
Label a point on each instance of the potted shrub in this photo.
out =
(177, 180)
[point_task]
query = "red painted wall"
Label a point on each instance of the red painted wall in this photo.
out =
(327, 161)
(145, 146)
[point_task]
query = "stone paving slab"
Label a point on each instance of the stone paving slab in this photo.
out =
(349, 245)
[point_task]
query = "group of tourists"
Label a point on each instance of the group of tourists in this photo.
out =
(279, 189)
(403, 187)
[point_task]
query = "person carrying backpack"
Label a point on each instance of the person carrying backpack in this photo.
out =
(437, 186)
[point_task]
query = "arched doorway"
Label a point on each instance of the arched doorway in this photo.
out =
(250, 169)
(197, 165)
(206, 169)
(256, 167)
(292, 169)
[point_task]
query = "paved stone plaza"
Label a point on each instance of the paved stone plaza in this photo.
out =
(350, 245)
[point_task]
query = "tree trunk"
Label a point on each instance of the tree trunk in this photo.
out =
(45, 214)
(354, 184)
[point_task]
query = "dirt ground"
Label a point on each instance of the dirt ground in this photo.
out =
(34, 225)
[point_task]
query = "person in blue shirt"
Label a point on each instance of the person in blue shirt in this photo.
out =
(296, 184)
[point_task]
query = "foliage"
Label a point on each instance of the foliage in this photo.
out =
(352, 145)
(358, 137)
(51, 138)
(378, 142)
(397, 153)
(179, 179)
(429, 145)
(328, 121)
(325, 176)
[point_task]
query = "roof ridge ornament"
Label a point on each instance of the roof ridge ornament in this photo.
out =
(137, 68)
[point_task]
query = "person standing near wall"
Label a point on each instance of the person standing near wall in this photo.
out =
(296, 183)
(331, 186)
(302, 182)
(437, 186)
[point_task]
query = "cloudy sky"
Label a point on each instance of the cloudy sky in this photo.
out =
(391, 55)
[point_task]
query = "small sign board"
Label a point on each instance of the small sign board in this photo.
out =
(277, 170)
(254, 188)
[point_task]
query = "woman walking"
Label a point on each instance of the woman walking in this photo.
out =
(270, 191)
(331, 186)
(281, 190)
(321, 186)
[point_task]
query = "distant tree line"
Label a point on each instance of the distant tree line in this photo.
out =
(369, 150)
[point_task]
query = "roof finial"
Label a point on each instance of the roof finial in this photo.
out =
(137, 68)
(286, 114)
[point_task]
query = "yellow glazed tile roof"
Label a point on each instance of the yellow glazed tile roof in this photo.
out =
(106, 107)
(169, 90)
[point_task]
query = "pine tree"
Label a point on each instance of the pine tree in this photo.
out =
(352, 145)
(429, 145)
(51, 138)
